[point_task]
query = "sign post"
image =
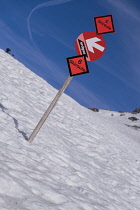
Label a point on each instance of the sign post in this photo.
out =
(77, 65)
(50, 108)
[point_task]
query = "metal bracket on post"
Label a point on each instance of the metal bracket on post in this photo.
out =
(50, 108)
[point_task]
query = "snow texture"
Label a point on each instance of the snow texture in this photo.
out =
(80, 159)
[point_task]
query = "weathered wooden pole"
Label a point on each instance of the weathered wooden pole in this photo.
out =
(50, 108)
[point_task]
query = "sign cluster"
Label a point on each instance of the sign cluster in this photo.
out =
(90, 45)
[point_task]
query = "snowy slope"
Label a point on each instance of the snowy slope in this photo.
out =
(80, 159)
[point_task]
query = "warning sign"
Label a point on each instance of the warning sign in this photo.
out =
(77, 65)
(104, 24)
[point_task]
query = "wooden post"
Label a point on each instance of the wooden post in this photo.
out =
(50, 108)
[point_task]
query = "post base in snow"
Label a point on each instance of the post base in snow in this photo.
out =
(50, 108)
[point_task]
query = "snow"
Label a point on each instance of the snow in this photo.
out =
(80, 159)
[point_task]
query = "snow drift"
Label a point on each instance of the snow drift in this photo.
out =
(80, 160)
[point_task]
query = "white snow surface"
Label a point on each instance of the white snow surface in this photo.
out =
(80, 159)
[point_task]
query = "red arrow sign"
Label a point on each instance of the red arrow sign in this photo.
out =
(91, 45)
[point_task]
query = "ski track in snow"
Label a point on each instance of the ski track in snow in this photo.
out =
(79, 160)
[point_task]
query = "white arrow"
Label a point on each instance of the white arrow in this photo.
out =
(92, 43)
